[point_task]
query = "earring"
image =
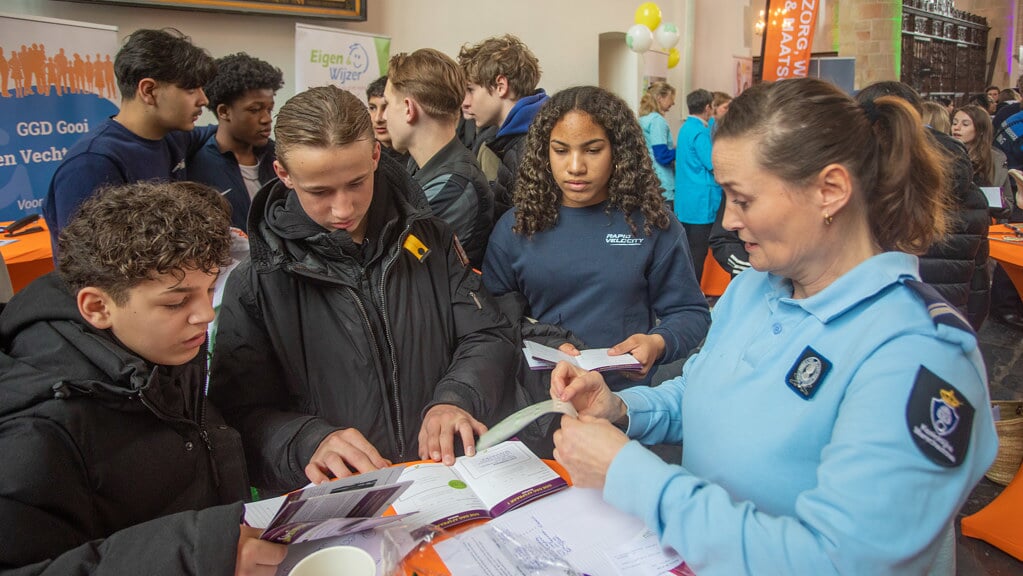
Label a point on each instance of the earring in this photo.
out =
(827, 219)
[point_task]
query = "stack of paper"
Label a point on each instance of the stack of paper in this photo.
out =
(542, 357)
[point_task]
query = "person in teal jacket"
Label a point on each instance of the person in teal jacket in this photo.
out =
(697, 195)
(655, 104)
(837, 416)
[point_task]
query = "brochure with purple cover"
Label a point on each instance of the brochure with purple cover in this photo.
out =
(330, 509)
(486, 485)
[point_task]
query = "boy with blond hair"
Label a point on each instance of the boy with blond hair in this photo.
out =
(356, 334)
(424, 96)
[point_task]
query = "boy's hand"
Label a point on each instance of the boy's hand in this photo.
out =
(569, 348)
(257, 557)
(437, 436)
(341, 454)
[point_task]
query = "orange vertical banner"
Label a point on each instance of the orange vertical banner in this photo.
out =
(789, 39)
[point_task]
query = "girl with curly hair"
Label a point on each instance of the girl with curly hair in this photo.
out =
(589, 244)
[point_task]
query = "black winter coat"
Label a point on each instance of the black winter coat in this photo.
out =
(311, 340)
(111, 465)
(957, 266)
(510, 149)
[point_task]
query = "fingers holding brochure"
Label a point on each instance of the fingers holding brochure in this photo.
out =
(587, 392)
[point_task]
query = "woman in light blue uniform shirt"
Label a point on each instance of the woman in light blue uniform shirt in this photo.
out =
(653, 107)
(837, 415)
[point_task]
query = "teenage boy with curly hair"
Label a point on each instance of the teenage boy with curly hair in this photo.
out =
(117, 462)
(239, 160)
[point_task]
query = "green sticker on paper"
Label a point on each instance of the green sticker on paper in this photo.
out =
(457, 484)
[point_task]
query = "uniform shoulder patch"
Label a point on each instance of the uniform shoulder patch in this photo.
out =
(416, 247)
(940, 419)
(940, 310)
(807, 373)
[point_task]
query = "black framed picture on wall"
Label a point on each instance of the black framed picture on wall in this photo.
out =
(333, 9)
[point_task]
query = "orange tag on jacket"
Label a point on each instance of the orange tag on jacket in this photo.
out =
(416, 247)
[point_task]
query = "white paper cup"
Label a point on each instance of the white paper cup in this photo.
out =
(336, 561)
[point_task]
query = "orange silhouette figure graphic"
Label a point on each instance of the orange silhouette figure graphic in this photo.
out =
(31, 72)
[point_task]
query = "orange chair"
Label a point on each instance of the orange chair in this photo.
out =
(715, 279)
(1000, 523)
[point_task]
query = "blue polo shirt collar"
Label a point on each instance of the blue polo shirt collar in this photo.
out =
(867, 279)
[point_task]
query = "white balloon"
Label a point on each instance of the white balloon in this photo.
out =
(667, 35)
(639, 38)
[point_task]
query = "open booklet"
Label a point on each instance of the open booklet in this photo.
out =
(486, 485)
(542, 357)
(336, 508)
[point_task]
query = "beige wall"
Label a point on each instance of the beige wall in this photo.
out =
(564, 34)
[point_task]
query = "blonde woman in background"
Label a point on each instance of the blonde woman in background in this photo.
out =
(936, 116)
(658, 99)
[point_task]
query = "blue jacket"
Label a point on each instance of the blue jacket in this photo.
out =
(112, 155)
(838, 433)
(657, 134)
(697, 195)
(220, 170)
(652, 279)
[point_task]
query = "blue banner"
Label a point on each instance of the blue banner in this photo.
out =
(56, 84)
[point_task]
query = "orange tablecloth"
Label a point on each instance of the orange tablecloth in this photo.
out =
(1008, 253)
(28, 258)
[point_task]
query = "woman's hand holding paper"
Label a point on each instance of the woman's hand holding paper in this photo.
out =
(587, 392)
(585, 447)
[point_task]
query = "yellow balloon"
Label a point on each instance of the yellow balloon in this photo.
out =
(649, 15)
(673, 57)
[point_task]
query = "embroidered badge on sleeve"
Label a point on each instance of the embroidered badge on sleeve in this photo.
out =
(940, 419)
(807, 373)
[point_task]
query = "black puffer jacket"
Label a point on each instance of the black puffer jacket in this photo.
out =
(510, 149)
(957, 267)
(107, 468)
(312, 340)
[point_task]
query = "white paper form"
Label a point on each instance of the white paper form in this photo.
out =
(575, 525)
(437, 494)
(496, 474)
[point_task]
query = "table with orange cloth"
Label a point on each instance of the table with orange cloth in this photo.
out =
(1007, 249)
(29, 257)
(426, 560)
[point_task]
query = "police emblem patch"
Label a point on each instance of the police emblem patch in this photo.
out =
(940, 419)
(807, 373)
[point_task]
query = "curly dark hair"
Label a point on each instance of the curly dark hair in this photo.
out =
(633, 185)
(125, 235)
(236, 75)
